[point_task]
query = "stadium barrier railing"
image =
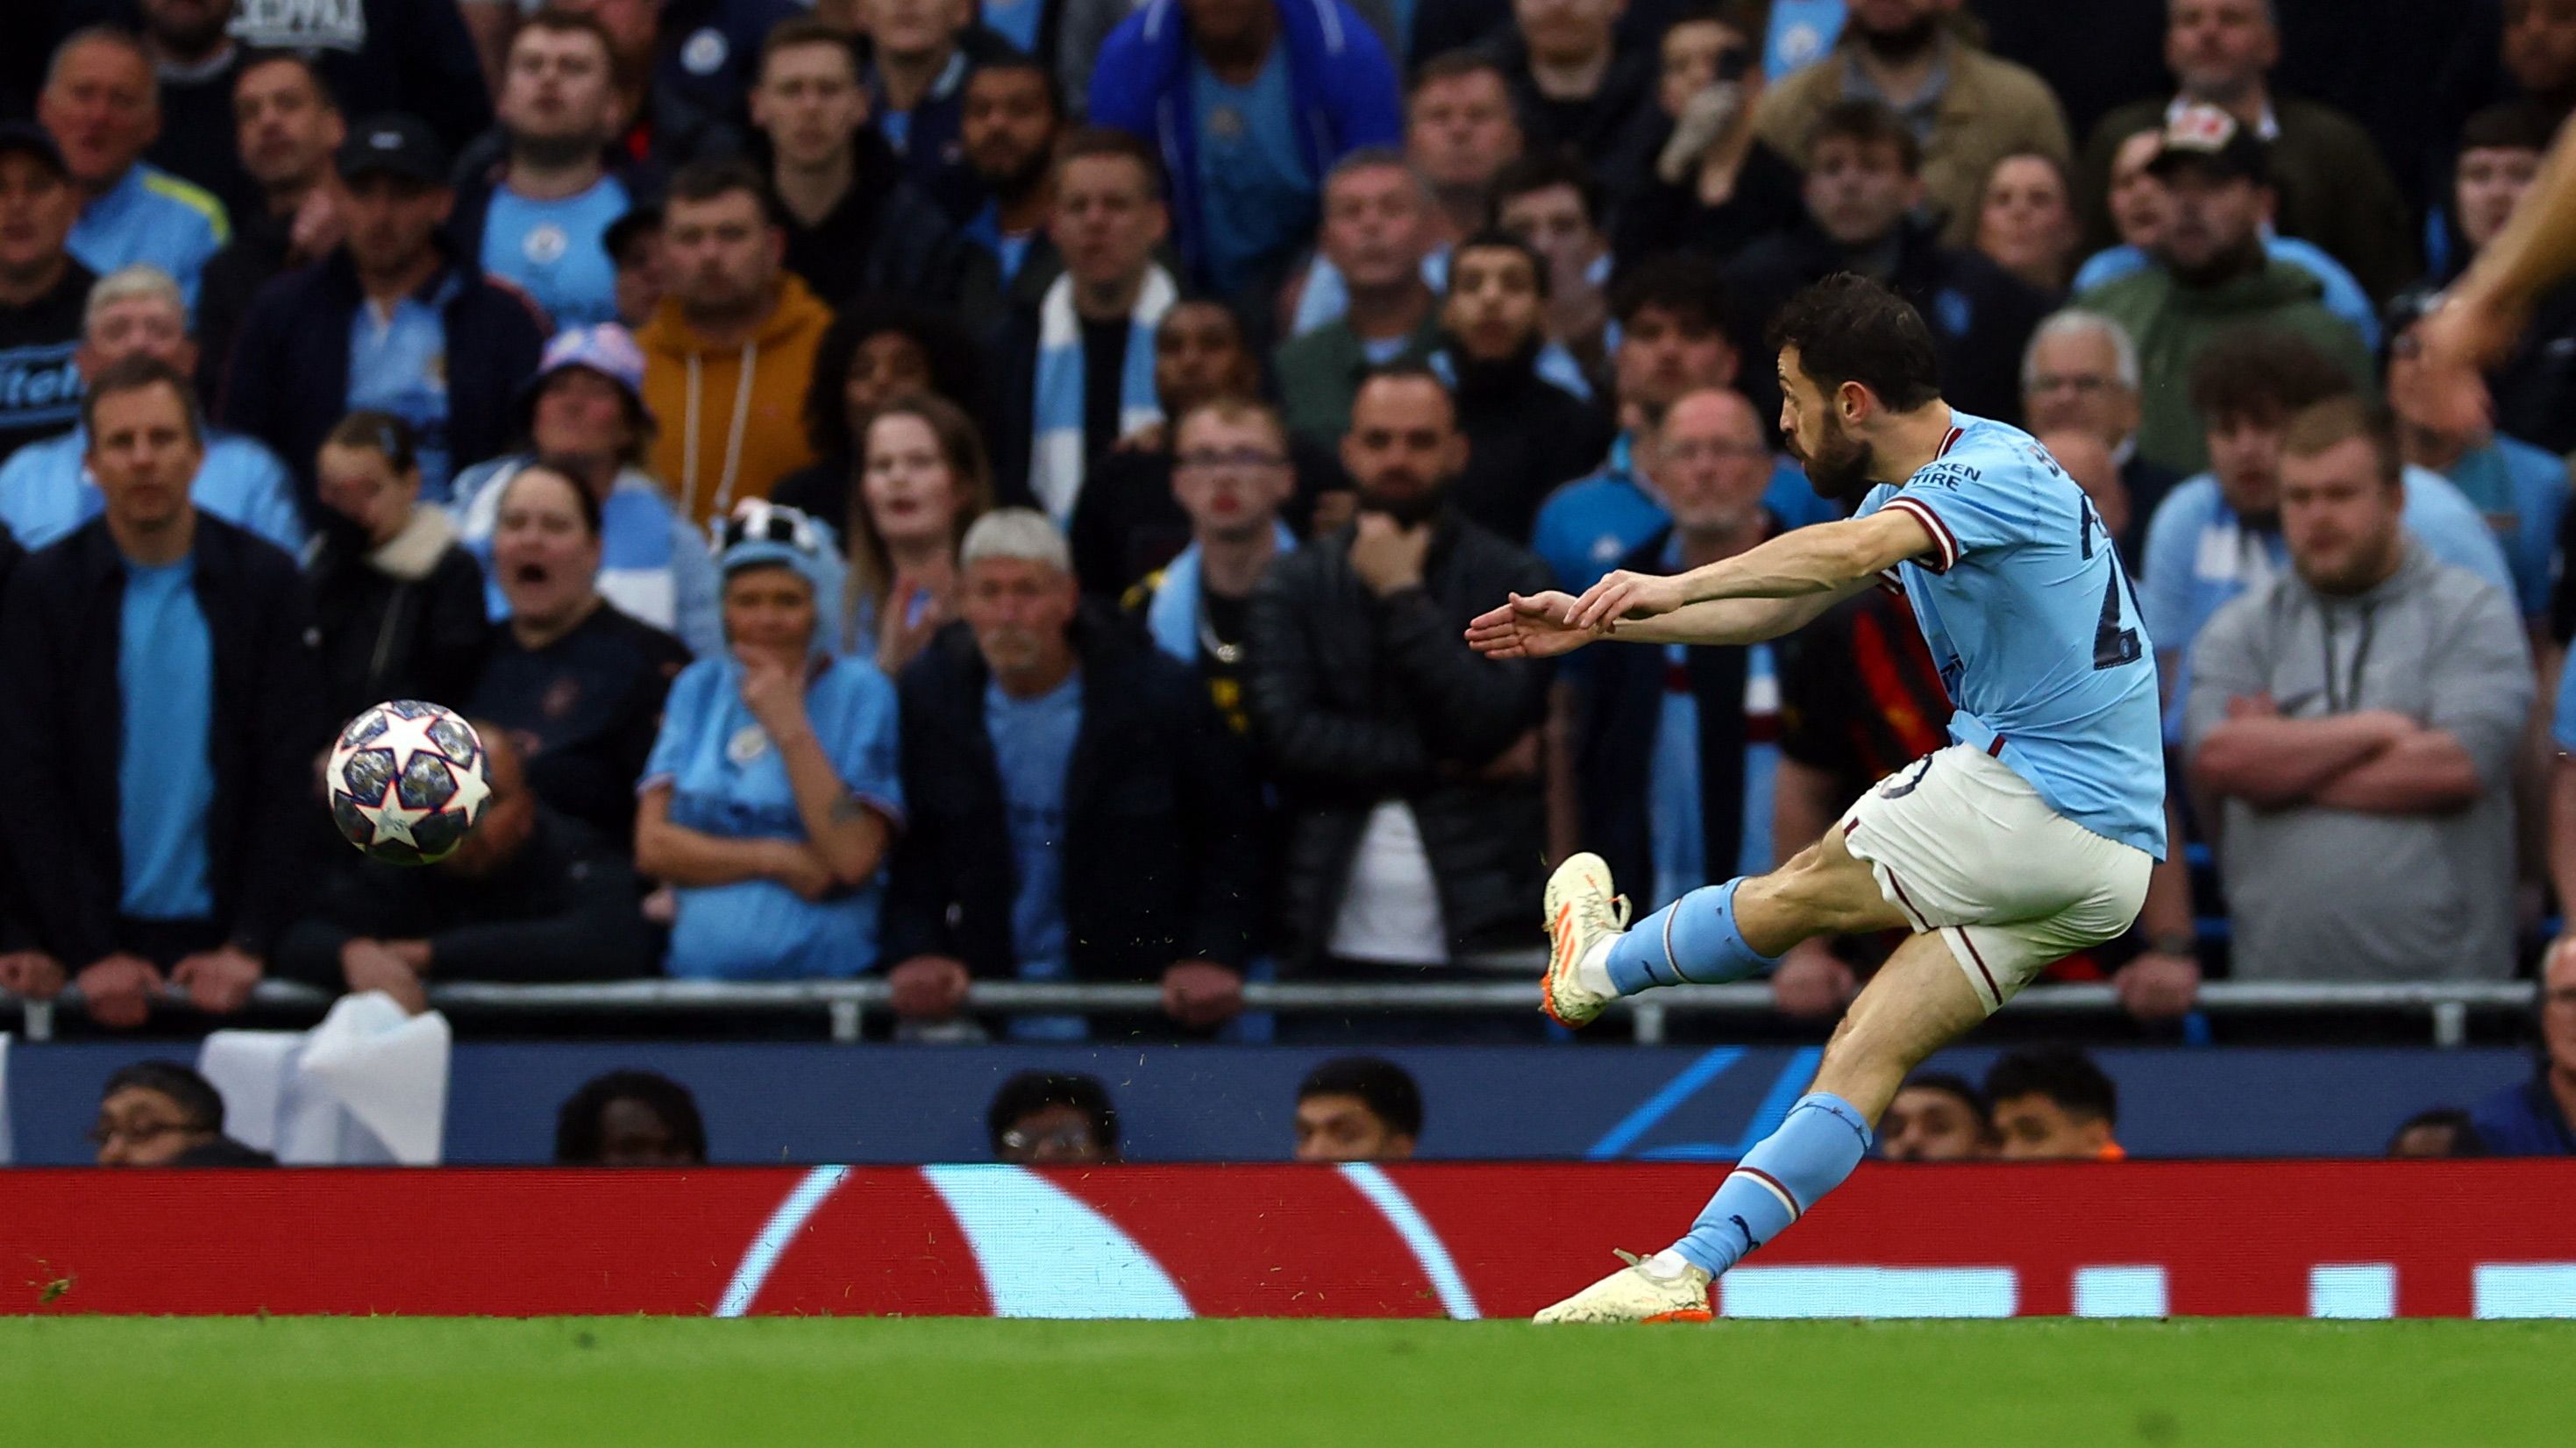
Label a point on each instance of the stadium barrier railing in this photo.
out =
(2443, 1007)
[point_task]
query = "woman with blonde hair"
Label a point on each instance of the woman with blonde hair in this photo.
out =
(923, 479)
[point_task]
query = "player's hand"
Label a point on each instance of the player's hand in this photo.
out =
(118, 990)
(1387, 555)
(928, 987)
(218, 981)
(372, 965)
(1531, 627)
(1202, 993)
(2456, 342)
(31, 974)
(1812, 982)
(1621, 594)
(2158, 987)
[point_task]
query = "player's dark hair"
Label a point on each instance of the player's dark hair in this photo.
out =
(2262, 374)
(1867, 123)
(1545, 170)
(584, 500)
(141, 373)
(579, 1137)
(1385, 1088)
(381, 433)
(2465, 1140)
(1957, 1086)
(2063, 1074)
(197, 1097)
(1496, 239)
(1848, 328)
(1690, 285)
(1034, 1091)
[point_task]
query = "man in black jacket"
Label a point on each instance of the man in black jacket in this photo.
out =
(158, 737)
(1864, 179)
(1078, 811)
(531, 895)
(446, 349)
(1408, 765)
(856, 225)
(1525, 434)
(288, 128)
(1681, 809)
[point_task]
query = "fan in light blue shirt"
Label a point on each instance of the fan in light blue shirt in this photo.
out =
(720, 773)
(1033, 747)
(153, 217)
(556, 251)
(165, 780)
(398, 364)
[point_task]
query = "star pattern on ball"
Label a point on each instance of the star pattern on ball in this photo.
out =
(405, 737)
(390, 819)
(471, 790)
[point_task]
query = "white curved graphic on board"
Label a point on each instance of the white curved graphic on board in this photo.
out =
(1045, 1254)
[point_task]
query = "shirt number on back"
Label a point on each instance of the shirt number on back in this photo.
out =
(2112, 644)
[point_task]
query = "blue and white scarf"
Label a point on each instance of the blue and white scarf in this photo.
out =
(1055, 441)
(1172, 619)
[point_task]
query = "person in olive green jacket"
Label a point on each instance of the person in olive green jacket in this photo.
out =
(2211, 276)
(1380, 221)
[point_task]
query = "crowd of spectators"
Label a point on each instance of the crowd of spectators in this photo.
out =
(992, 491)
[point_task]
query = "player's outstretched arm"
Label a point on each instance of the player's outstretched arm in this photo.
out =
(2483, 312)
(1528, 626)
(1828, 560)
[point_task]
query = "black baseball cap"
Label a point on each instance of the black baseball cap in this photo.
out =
(29, 139)
(2210, 138)
(394, 145)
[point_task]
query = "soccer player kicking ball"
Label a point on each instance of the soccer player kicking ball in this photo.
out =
(2028, 838)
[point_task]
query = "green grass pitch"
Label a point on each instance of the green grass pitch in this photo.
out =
(638, 1382)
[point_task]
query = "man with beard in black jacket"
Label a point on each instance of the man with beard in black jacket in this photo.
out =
(1864, 185)
(1407, 765)
(1525, 434)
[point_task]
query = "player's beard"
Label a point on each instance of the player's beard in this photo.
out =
(1840, 466)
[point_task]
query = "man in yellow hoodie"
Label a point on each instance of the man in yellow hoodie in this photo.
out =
(728, 353)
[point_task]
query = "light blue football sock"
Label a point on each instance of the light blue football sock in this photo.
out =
(1817, 1145)
(1692, 940)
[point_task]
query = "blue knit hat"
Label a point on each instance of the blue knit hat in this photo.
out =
(765, 534)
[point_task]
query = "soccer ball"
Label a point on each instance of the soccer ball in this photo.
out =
(407, 782)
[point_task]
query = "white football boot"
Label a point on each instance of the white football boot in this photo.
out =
(1636, 1293)
(1582, 915)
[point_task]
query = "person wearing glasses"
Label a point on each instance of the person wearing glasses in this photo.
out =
(1230, 474)
(1053, 1118)
(2079, 373)
(1677, 755)
(773, 793)
(576, 682)
(160, 1113)
(1130, 521)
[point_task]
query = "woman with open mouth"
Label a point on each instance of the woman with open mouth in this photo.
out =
(577, 683)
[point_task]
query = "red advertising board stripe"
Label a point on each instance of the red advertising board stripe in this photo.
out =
(2213, 1238)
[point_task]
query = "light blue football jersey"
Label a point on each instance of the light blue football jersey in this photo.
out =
(2036, 628)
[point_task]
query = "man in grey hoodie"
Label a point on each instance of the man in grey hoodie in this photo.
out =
(2360, 716)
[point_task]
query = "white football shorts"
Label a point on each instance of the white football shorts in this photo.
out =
(1963, 845)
